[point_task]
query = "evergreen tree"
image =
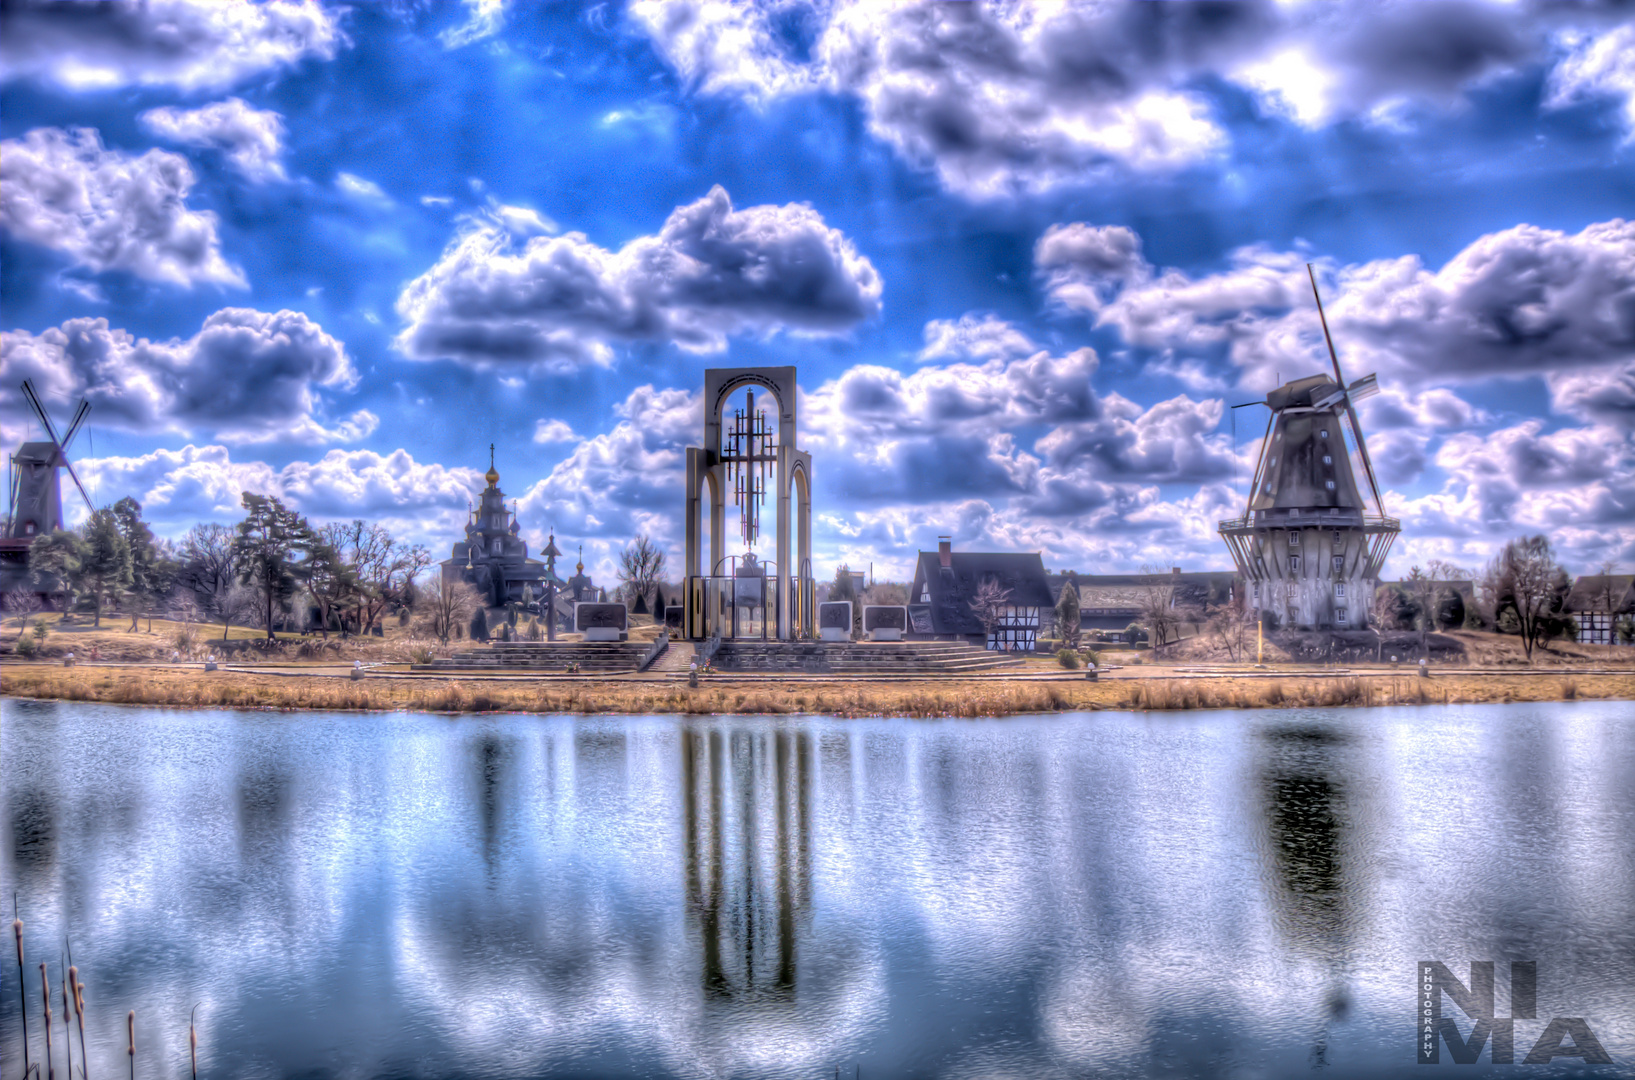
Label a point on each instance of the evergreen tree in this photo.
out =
(1067, 615)
(479, 624)
(271, 547)
(54, 564)
(105, 567)
(153, 572)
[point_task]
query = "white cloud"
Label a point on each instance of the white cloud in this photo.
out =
(1598, 65)
(435, 200)
(246, 376)
(524, 221)
(1518, 302)
(554, 431)
(1004, 98)
(186, 44)
(1597, 394)
(484, 18)
(711, 272)
(358, 187)
(420, 502)
(251, 138)
(108, 210)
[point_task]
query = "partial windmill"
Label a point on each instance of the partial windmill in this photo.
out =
(36, 488)
(1306, 545)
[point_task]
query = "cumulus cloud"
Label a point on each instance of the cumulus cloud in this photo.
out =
(1598, 66)
(419, 501)
(1001, 98)
(1522, 301)
(1603, 394)
(185, 44)
(710, 273)
(109, 210)
(251, 138)
(553, 431)
(246, 376)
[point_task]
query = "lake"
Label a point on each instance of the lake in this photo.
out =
(1204, 894)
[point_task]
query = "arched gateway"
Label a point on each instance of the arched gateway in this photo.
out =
(738, 458)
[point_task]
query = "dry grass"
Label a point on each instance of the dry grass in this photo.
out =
(930, 698)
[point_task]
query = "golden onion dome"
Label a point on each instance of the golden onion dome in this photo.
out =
(492, 476)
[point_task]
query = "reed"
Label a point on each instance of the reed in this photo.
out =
(130, 1034)
(79, 1015)
(45, 995)
(67, 1031)
(22, 992)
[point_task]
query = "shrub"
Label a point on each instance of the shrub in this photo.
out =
(1068, 659)
(1093, 657)
(26, 645)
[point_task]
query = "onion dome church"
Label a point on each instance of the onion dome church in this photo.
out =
(494, 557)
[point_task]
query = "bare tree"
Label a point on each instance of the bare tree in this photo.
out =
(1227, 625)
(1156, 598)
(331, 580)
(451, 605)
(989, 605)
(1533, 586)
(22, 603)
(641, 568)
(384, 568)
(1382, 613)
(1422, 587)
(209, 569)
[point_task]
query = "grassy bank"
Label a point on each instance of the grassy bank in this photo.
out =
(230, 689)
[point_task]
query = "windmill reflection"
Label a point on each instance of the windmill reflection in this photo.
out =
(747, 818)
(1307, 820)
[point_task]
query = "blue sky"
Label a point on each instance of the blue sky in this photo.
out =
(1024, 257)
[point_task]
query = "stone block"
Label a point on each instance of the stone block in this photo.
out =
(885, 622)
(835, 620)
(600, 622)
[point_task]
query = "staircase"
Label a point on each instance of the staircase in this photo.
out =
(861, 657)
(593, 657)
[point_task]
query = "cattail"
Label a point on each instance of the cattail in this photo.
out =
(130, 1033)
(22, 995)
(193, 1042)
(67, 1032)
(45, 993)
(79, 1015)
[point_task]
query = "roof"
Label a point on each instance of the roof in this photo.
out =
(1590, 593)
(1192, 588)
(1303, 461)
(952, 588)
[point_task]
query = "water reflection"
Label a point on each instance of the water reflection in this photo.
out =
(1192, 895)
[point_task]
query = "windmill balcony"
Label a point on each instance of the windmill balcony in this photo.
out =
(1324, 518)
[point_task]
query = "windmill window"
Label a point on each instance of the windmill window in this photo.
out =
(1328, 459)
(1294, 539)
(28, 528)
(1323, 433)
(1294, 564)
(1340, 615)
(1329, 484)
(1339, 590)
(1337, 540)
(1274, 461)
(1339, 563)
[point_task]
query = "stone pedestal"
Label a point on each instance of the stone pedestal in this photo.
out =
(885, 622)
(601, 622)
(835, 620)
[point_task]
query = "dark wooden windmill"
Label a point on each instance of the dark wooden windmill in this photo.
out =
(1308, 548)
(35, 504)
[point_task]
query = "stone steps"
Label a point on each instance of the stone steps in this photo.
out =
(861, 658)
(591, 656)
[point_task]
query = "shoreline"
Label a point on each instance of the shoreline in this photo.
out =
(1149, 689)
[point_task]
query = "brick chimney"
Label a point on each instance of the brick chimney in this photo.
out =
(1175, 569)
(945, 550)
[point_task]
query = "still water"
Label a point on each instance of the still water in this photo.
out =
(1096, 895)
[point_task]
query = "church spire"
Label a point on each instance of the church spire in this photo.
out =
(493, 474)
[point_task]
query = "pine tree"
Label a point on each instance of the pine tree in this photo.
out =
(106, 565)
(271, 544)
(479, 624)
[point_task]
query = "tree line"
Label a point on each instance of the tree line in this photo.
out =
(354, 573)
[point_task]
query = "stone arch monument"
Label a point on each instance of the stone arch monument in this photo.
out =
(736, 459)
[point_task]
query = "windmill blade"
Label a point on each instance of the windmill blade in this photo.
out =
(1332, 355)
(80, 414)
(1362, 448)
(75, 477)
(39, 413)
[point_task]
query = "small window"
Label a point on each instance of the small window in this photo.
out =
(1323, 434)
(1257, 592)
(1273, 461)
(1339, 590)
(1329, 484)
(1294, 564)
(1339, 563)
(1294, 539)
(1337, 540)
(1328, 460)
(1340, 615)
(496, 547)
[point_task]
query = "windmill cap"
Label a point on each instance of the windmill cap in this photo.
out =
(1301, 392)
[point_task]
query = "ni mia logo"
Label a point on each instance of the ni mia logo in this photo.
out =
(1476, 1001)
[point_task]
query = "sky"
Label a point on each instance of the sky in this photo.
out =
(1025, 258)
